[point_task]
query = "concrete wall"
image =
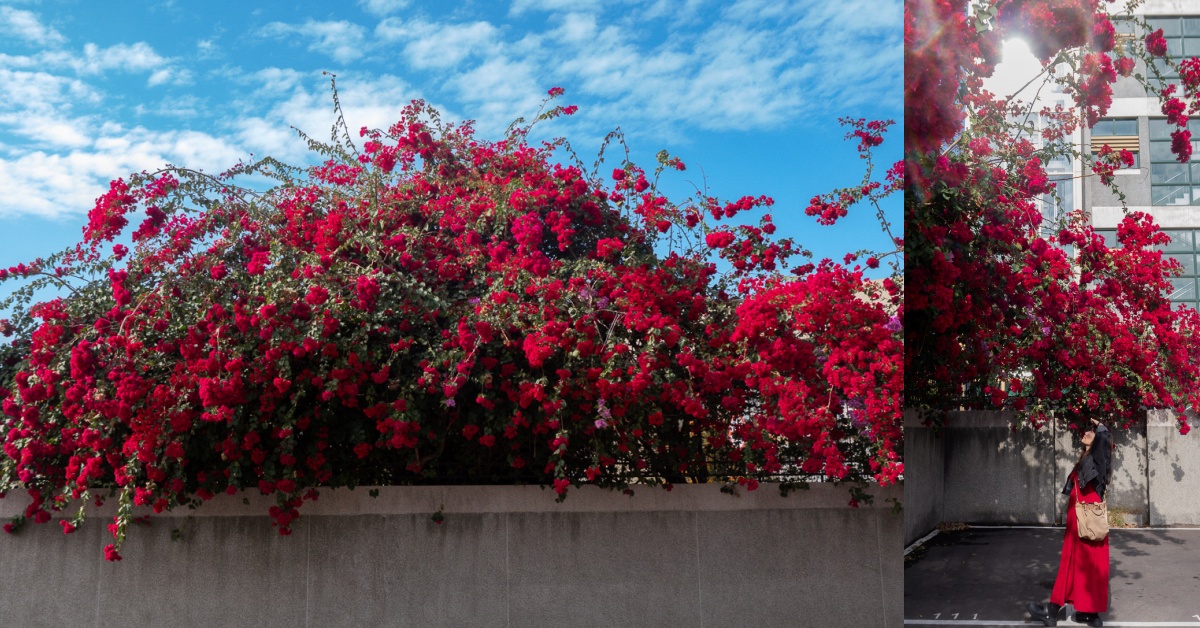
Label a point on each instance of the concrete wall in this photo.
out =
(504, 556)
(995, 475)
(975, 469)
(924, 478)
(1174, 471)
(1166, 7)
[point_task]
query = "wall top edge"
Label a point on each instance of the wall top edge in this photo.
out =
(965, 418)
(1168, 418)
(1000, 418)
(407, 500)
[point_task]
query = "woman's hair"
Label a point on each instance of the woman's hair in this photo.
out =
(1088, 449)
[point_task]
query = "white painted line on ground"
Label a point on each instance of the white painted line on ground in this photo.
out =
(1061, 527)
(1159, 528)
(925, 538)
(1066, 622)
(974, 527)
(920, 541)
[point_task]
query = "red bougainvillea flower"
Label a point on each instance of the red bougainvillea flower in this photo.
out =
(439, 308)
(1156, 43)
(1124, 66)
(1005, 309)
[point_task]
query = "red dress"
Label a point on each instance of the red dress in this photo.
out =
(1083, 570)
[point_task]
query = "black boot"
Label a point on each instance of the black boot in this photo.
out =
(1045, 613)
(1091, 619)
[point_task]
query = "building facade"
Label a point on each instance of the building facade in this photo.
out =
(1157, 184)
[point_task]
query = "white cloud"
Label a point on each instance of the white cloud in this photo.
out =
(343, 41)
(751, 10)
(95, 60)
(175, 76)
(382, 7)
(739, 77)
(373, 103)
(858, 15)
(207, 48)
(521, 6)
(742, 65)
(679, 13)
(183, 106)
(577, 28)
(136, 57)
(277, 80)
(501, 89)
(756, 64)
(57, 184)
(47, 128)
(861, 36)
(42, 90)
(72, 159)
(26, 25)
(262, 137)
(50, 185)
(431, 45)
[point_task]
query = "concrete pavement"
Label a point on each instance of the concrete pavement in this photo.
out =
(983, 576)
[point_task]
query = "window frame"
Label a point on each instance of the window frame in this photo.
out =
(1117, 140)
(1178, 249)
(1179, 40)
(1159, 135)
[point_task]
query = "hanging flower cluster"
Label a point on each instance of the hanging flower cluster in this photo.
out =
(1006, 310)
(437, 308)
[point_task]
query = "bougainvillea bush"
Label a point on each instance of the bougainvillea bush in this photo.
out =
(430, 307)
(1006, 310)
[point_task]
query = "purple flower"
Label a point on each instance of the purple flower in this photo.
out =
(601, 424)
(603, 411)
(893, 324)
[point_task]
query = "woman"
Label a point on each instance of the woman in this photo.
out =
(1083, 570)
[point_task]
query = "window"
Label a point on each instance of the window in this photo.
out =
(1183, 40)
(1126, 30)
(1118, 134)
(1055, 210)
(1173, 183)
(1182, 248)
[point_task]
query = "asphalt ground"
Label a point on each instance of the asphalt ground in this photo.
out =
(984, 576)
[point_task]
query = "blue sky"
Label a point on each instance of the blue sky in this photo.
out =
(747, 93)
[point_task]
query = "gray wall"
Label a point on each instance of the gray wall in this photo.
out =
(976, 469)
(504, 556)
(924, 478)
(1174, 471)
(994, 474)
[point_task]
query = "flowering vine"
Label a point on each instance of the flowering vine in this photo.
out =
(432, 307)
(1006, 310)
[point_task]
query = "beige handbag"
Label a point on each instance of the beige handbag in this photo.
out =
(1091, 519)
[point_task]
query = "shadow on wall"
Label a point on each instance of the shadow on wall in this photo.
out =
(993, 475)
(1173, 476)
(976, 469)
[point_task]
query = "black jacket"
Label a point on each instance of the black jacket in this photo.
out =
(1096, 465)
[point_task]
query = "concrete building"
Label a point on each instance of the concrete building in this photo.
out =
(1158, 184)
